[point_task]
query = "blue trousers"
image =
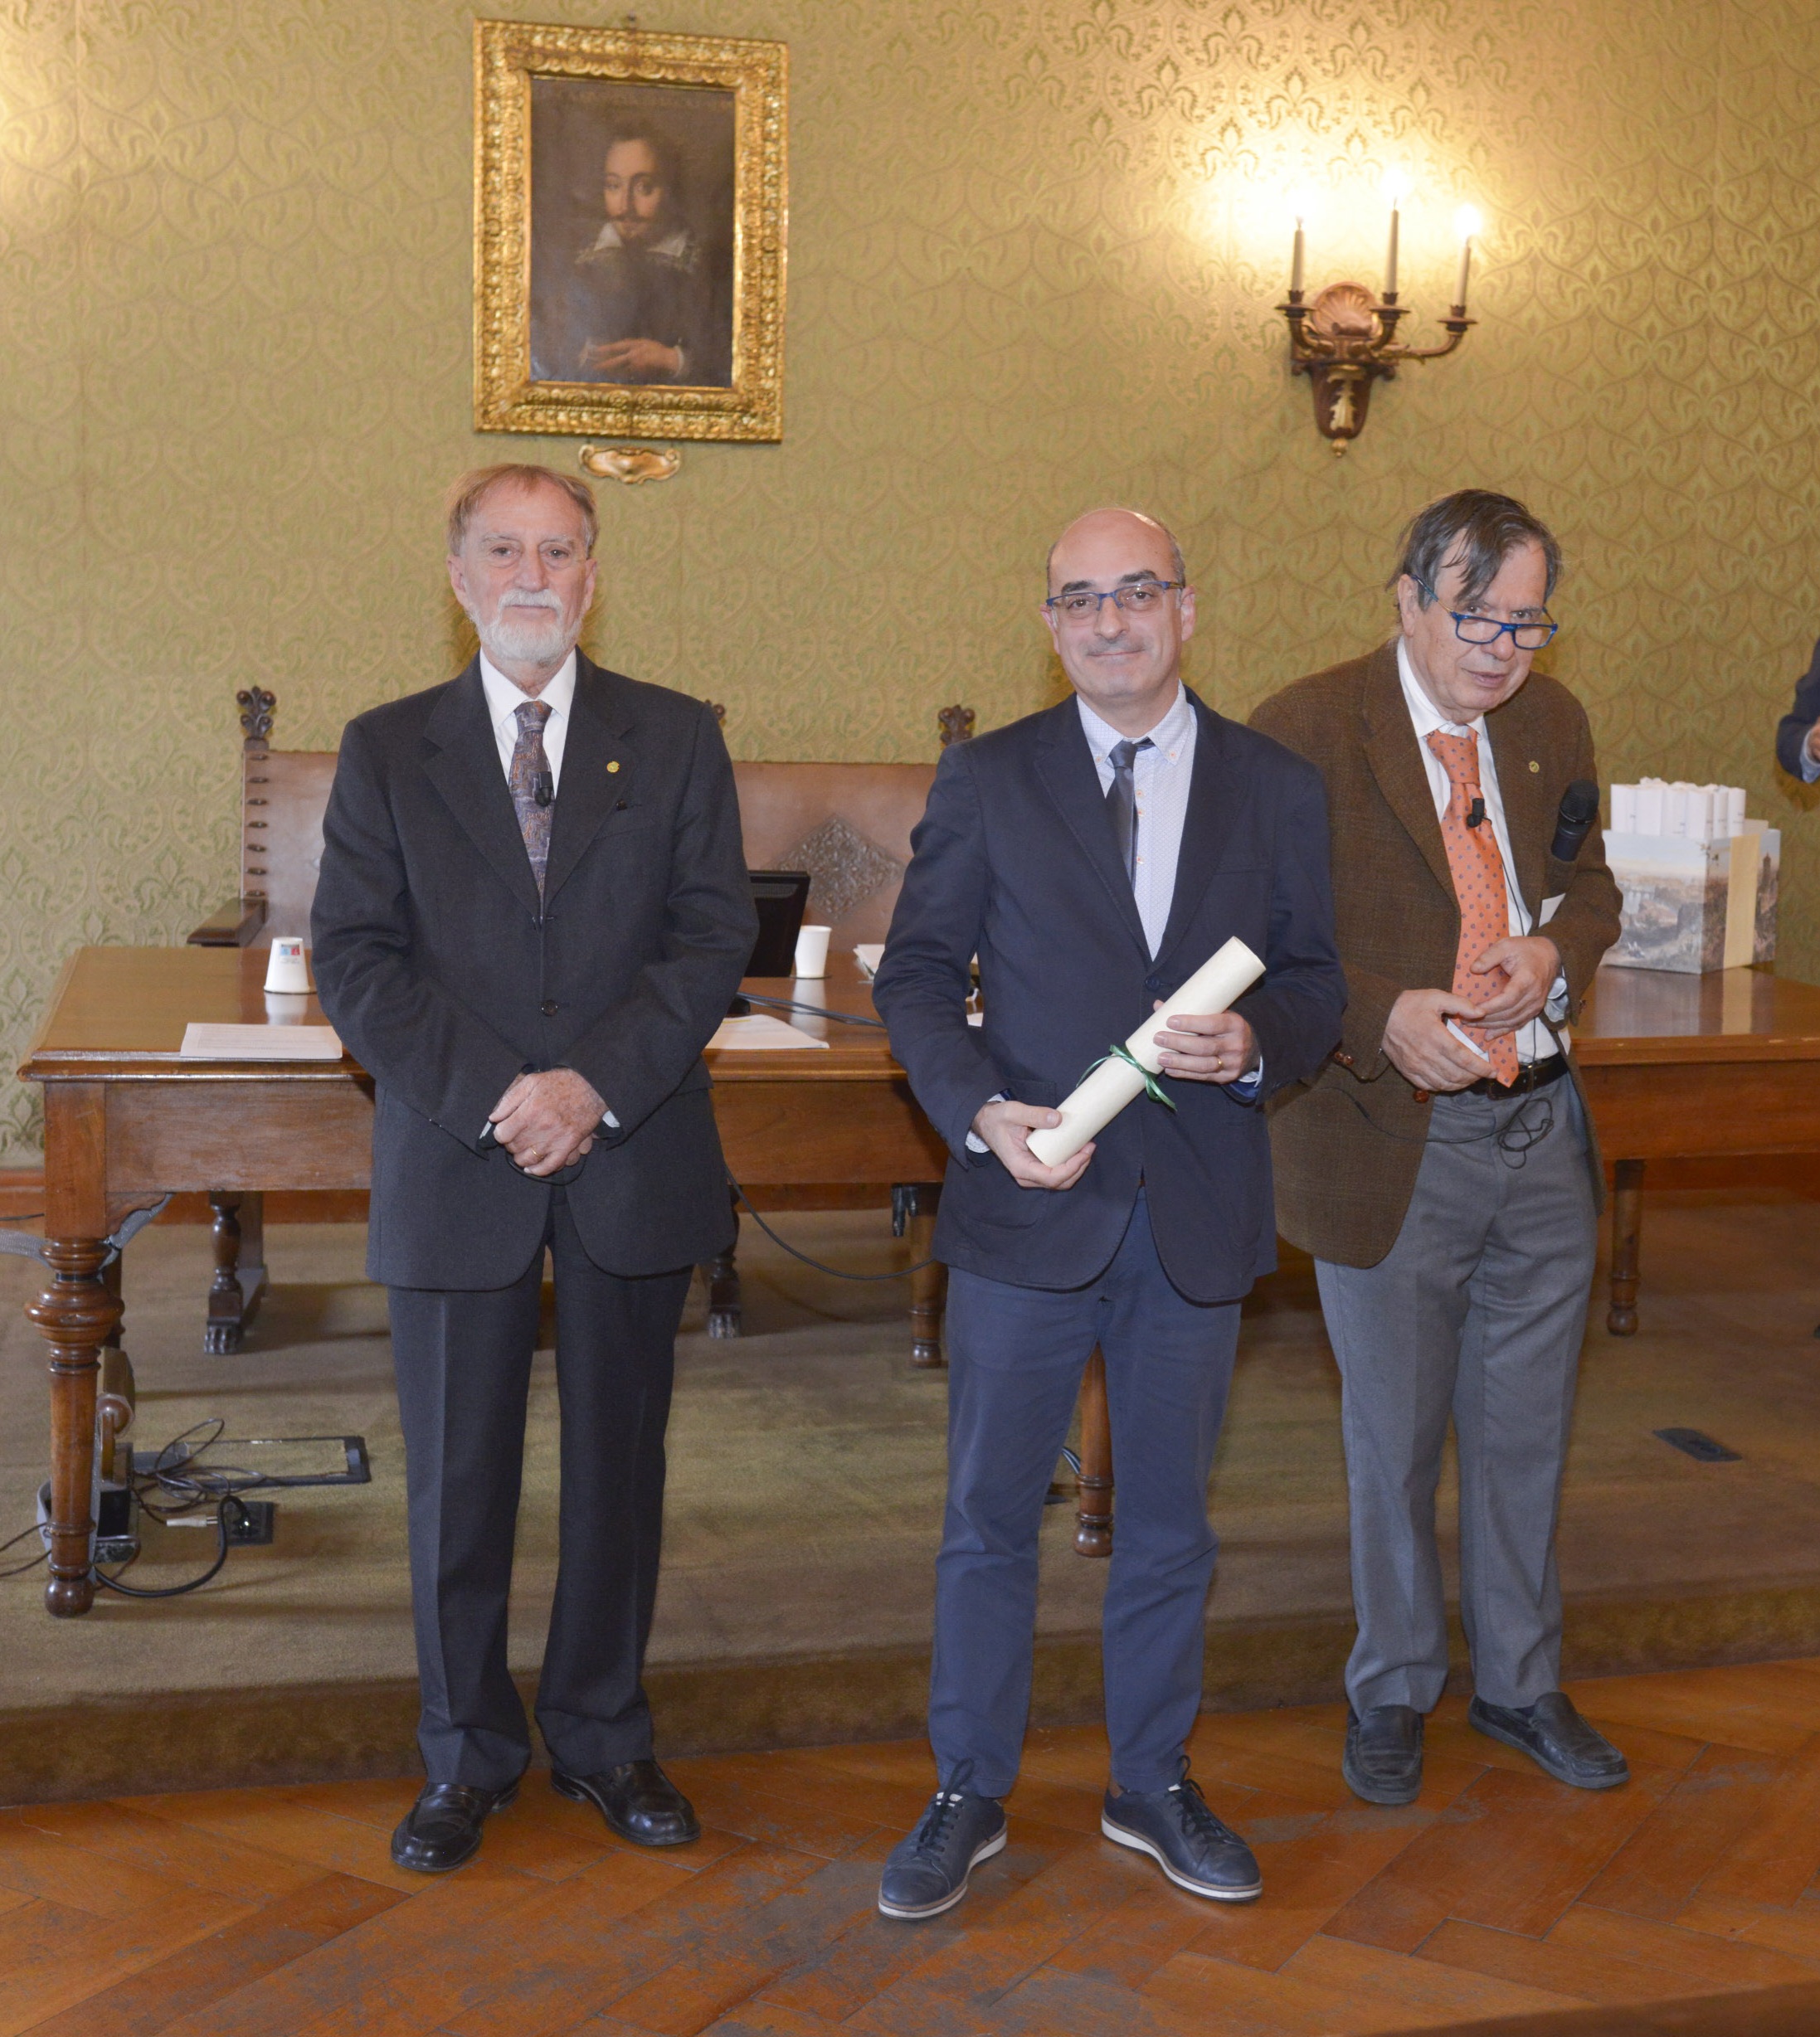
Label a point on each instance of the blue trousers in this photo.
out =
(1015, 1356)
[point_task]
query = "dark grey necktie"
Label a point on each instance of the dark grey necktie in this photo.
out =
(531, 775)
(1122, 802)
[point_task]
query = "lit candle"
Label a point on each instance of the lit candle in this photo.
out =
(1466, 223)
(1295, 264)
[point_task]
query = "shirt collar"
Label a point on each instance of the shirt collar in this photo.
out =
(1169, 735)
(1423, 711)
(505, 699)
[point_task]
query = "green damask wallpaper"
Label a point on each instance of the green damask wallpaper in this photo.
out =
(1034, 247)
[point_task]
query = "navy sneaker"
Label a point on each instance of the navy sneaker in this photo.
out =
(1176, 1829)
(927, 1872)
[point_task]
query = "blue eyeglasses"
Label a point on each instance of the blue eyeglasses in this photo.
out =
(1469, 629)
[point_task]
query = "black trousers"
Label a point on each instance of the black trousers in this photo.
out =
(462, 1362)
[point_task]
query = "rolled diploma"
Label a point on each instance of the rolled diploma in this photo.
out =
(1212, 988)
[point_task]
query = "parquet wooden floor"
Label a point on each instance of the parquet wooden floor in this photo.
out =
(1499, 1893)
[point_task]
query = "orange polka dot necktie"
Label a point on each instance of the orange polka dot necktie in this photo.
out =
(1479, 886)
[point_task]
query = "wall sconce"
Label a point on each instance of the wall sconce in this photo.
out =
(1344, 341)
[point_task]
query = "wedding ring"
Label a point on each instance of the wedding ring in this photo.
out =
(1219, 1064)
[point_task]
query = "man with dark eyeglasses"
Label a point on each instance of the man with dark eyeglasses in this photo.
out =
(1442, 1168)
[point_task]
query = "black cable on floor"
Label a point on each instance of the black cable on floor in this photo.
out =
(833, 1271)
(223, 1523)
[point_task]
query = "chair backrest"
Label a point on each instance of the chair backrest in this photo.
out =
(848, 824)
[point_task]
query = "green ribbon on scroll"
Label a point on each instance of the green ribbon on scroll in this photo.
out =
(1152, 1088)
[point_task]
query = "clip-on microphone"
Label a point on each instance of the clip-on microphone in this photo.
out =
(1475, 813)
(543, 789)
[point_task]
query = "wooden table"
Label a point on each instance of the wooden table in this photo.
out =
(1693, 1068)
(126, 1123)
(1674, 1066)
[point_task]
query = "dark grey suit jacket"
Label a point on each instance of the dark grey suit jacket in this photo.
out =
(442, 973)
(1014, 859)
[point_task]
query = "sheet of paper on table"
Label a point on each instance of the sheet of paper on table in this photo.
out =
(869, 954)
(759, 1031)
(205, 1043)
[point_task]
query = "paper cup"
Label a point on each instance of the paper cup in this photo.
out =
(812, 951)
(287, 975)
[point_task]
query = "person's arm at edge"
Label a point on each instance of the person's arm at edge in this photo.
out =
(426, 1047)
(1796, 726)
(924, 977)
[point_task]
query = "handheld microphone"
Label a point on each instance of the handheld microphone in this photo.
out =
(1475, 813)
(543, 789)
(1574, 822)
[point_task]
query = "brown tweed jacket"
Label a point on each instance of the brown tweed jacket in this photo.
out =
(1347, 1145)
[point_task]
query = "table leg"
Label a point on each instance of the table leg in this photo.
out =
(1093, 1487)
(1627, 1245)
(240, 1268)
(929, 1287)
(723, 1299)
(76, 1314)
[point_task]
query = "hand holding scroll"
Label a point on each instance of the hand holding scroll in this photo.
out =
(1006, 1128)
(1217, 1048)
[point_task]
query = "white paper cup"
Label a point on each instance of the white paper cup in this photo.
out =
(287, 975)
(812, 951)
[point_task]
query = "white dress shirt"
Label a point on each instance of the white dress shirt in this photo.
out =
(505, 700)
(1533, 1041)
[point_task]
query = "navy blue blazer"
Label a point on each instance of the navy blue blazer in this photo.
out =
(1014, 860)
(1791, 730)
(447, 975)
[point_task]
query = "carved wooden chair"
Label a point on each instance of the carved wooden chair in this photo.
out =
(848, 824)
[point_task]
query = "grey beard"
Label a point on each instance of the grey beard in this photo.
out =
(513, 637)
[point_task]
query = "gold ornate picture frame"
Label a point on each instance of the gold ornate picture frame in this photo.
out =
(630, 212)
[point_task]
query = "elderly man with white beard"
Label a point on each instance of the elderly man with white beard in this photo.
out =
(532, 912)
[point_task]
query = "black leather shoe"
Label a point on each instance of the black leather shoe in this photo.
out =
(1556, 1739)
(443, 1829)
(1181, 1835)
(1383, 1760)
(927, 1873)
(638, 1800)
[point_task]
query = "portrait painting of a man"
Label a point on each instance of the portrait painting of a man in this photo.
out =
(631, 234)
(631, 215)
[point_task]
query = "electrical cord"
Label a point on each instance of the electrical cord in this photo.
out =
(229, 1516)
(834, 1271)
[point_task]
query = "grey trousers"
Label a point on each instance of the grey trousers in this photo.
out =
(1477, 1311)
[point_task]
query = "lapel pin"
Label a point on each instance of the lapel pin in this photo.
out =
(1533, 765)
(614, 766)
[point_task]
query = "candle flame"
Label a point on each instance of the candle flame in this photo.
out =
(1396, 186)
(1468, 224)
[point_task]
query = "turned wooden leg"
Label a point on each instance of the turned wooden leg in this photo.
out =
(240, 1268)
(929, 1288)
(1093, 1488)
(75, 1313)
(1627, 1245)
(723, 1302)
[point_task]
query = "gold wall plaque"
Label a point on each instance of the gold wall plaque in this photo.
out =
(630, 217)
